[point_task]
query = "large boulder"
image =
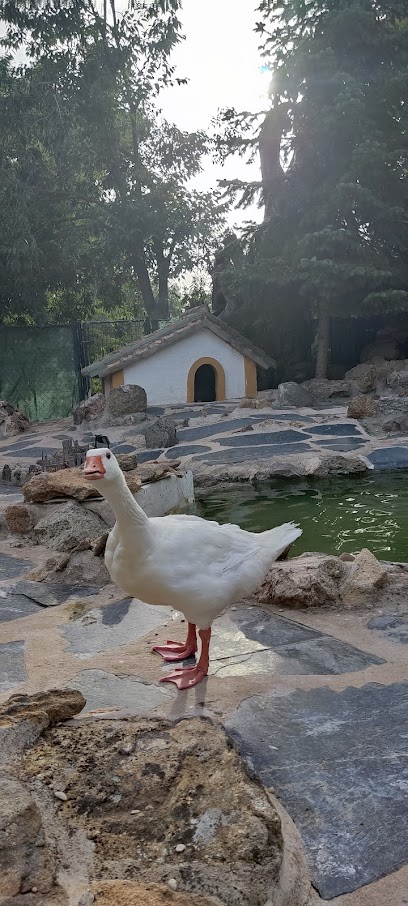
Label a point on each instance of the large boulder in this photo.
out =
(383, 347)
(365, 376)
(126, 400)
(391, 417)
(317, 580)
(327, 393)
(90, 409)
(67, 526)
(161, 432)
(201, 799)
(341, 464)
(82, 568)
(397, 381)
(12, 421)
(362, 407)
(293, 395)
(312, 580)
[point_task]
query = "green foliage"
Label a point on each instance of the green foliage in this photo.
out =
(94, 189)
(337, 212)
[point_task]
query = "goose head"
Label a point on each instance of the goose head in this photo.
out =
(102, 465)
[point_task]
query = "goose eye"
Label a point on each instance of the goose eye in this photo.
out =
(108, 456)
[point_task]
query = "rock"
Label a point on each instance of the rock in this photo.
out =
(248, 404)
(19, 518)
(392, 416)
(120, 421)
(325, 392)
(67, 483)
(366, 577)
(382, 348)
(81, 568)
(230, 820)
(149, 472)
(44, 708)
(6, 409)
(133, 893)
(99, 545)
(341, 464)
(59, 794)
(24, 717)
(312, 580)
(293, 395)
(126, 400)
(367, 375)
(269, 396)
(398, 382)
(244, 429)
(134, 481)
(90, 409)
(52, 564)
(12, 421)
(295, 466)
(102, 509)
(362, 407)
(160, 433)
(127, 461)
(6, 473)
(64, 483)
(67, 526)
(24, 861)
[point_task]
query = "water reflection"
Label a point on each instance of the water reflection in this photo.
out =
(336, 515)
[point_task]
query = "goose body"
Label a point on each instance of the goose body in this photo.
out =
(194, 565)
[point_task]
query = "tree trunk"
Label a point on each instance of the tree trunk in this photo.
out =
(163, 270)
(323, 340)
(145, 286)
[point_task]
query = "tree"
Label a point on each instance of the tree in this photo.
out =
(334, 155)
(53, 249)
(100, 74)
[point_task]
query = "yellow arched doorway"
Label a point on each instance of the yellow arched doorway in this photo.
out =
(206, 378)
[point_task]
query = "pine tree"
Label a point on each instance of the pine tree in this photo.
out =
(336, 211)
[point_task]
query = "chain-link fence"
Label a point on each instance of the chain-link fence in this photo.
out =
(40, 370)
(40, 367)
(98, 338)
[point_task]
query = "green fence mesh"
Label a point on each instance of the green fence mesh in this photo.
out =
(39, 370)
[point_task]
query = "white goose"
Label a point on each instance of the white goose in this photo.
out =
(196, 566)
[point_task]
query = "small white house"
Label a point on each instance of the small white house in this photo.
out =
(195, 359)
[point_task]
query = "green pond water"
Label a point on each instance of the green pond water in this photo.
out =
(343, 514)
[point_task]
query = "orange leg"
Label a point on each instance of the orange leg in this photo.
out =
(186, 677)
(179, 651)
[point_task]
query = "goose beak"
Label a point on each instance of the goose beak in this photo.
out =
(94, 468)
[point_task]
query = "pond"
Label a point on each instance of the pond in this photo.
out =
(336, 515)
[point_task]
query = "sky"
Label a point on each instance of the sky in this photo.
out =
(220, 58)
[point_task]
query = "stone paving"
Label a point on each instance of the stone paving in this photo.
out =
(317, 703)
(226, 434)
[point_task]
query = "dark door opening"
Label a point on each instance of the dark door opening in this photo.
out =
(204, 384)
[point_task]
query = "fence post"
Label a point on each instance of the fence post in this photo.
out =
(84, 384)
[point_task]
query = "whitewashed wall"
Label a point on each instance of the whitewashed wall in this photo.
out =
(164, 374)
